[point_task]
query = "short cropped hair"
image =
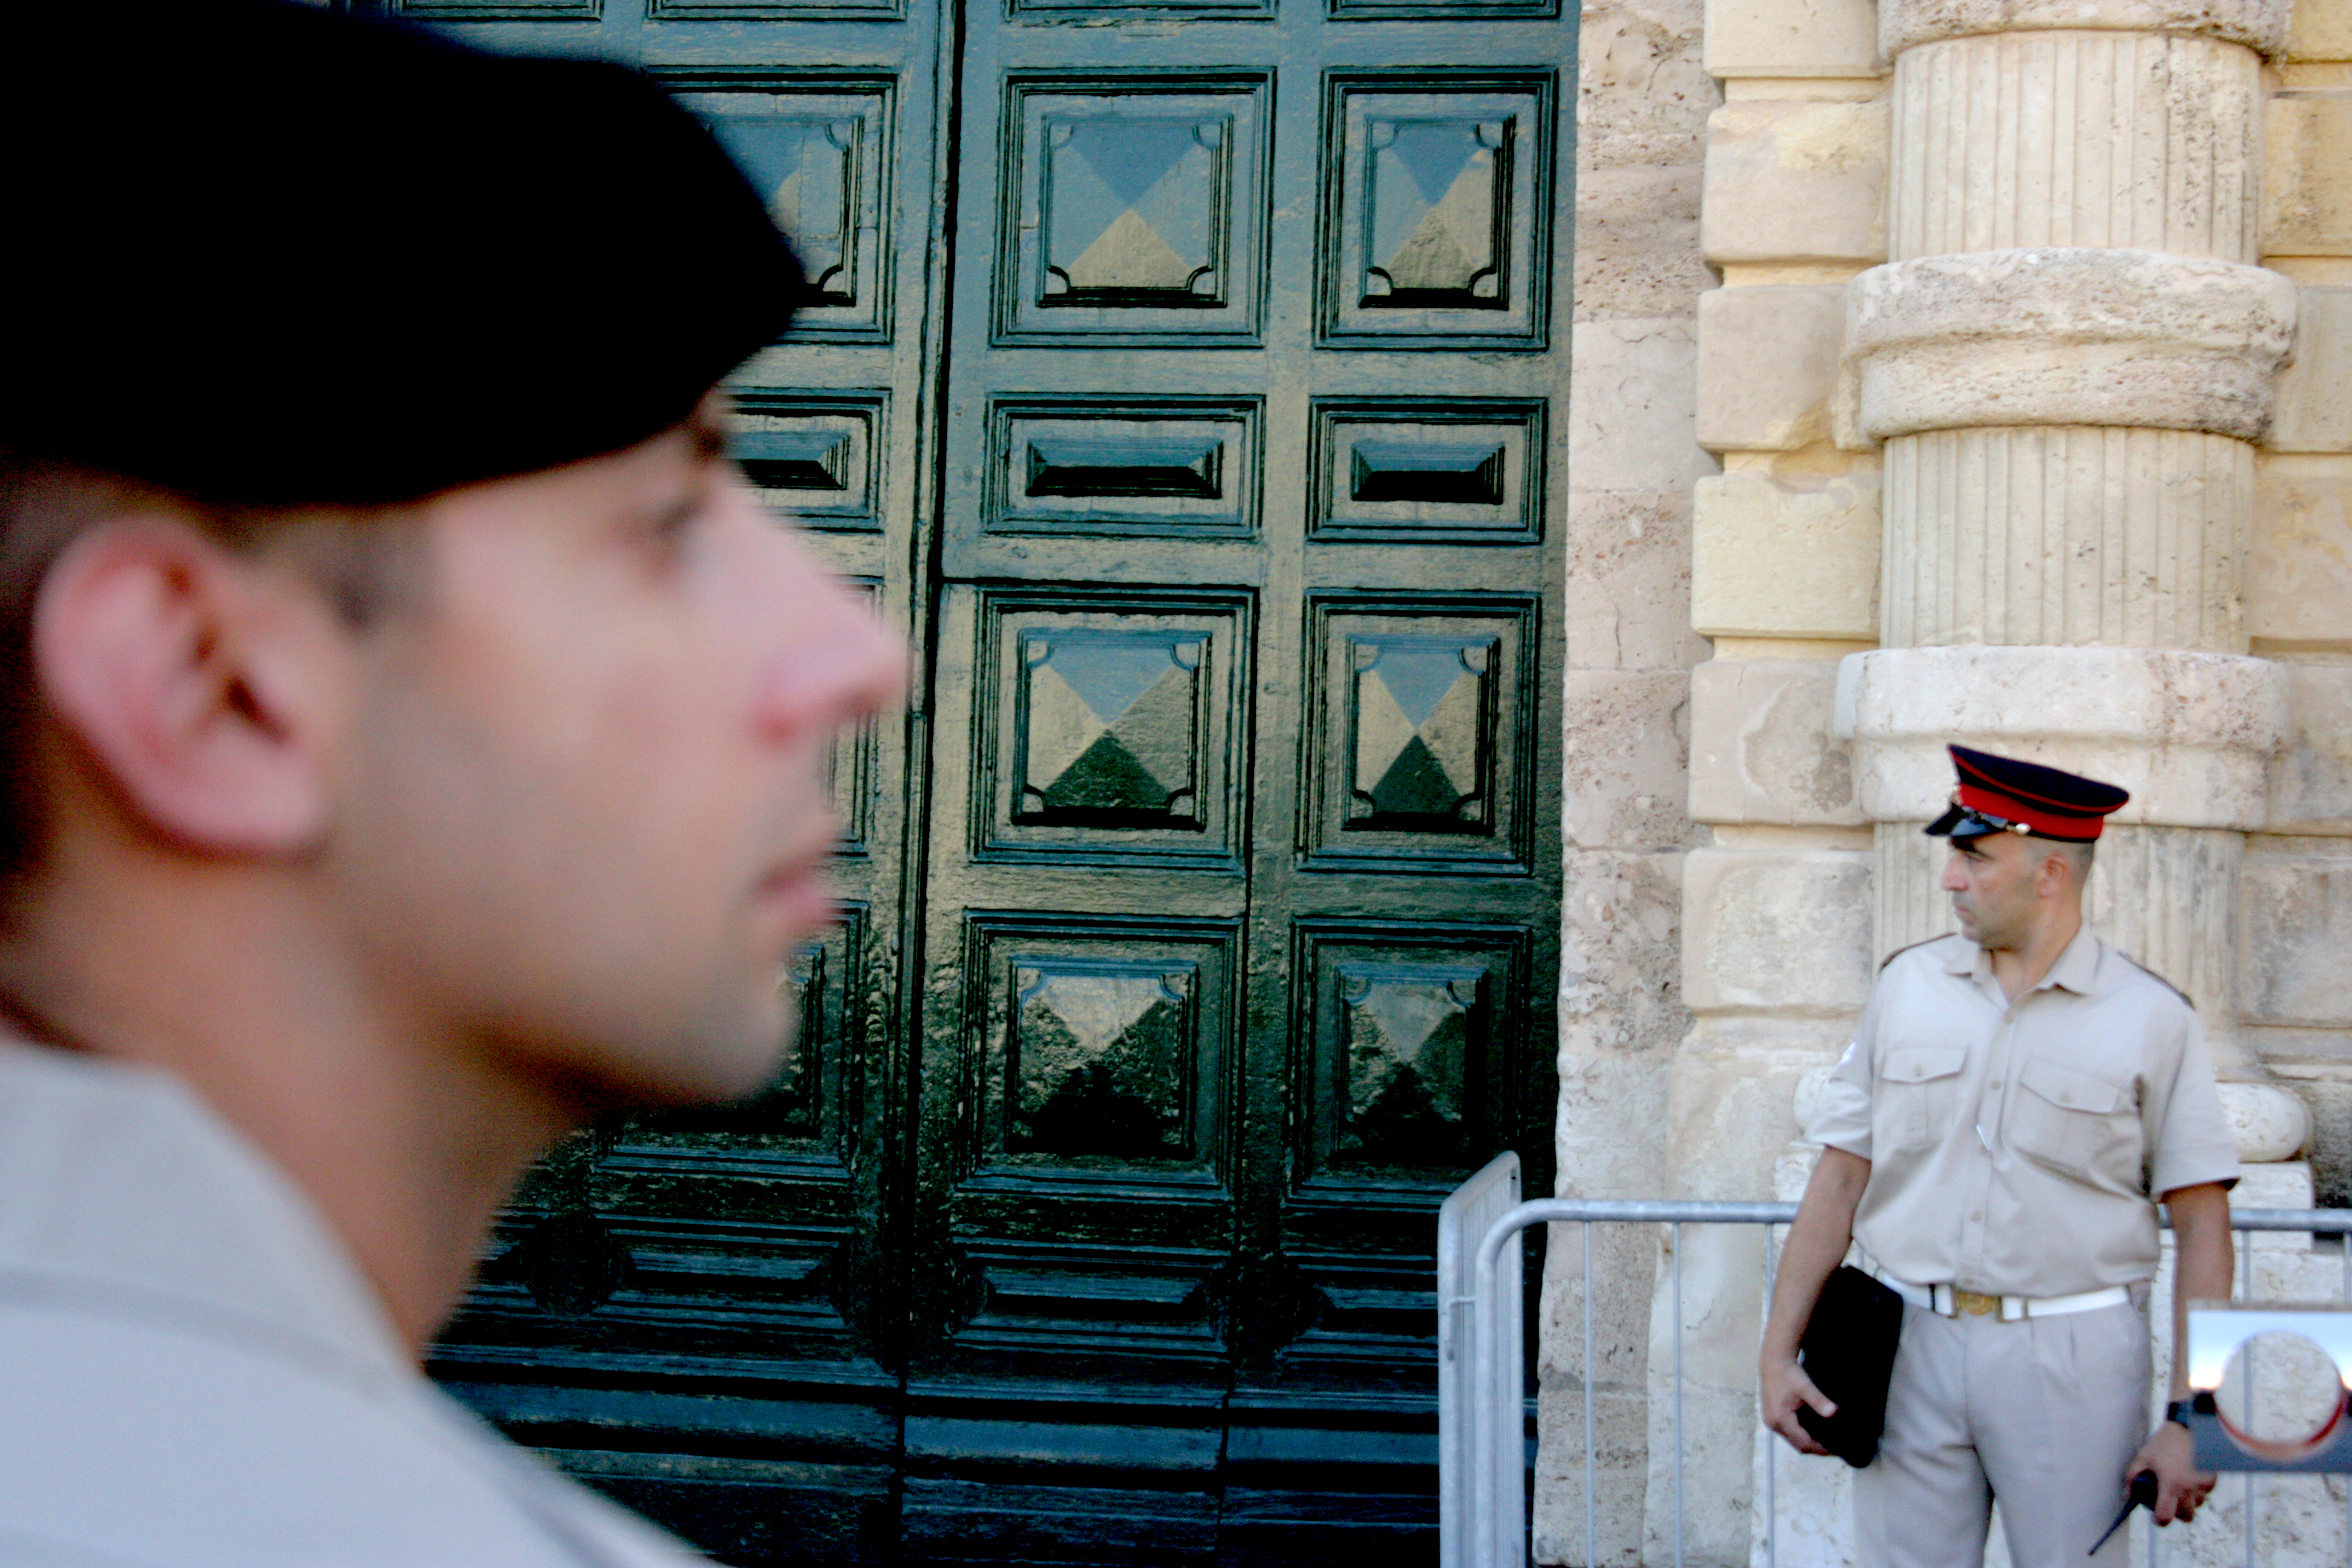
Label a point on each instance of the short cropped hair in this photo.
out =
(362, 560)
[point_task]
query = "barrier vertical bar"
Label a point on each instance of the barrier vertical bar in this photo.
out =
(1771, 1448)
(1591, 1510)
(1505, 1334)
(1678, 1393)
(2246, 1292)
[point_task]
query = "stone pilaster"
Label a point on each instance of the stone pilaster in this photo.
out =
(2066, 361)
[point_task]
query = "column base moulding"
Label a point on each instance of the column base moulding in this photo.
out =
(2067, 335)
(2190, 735)
(2259, 24)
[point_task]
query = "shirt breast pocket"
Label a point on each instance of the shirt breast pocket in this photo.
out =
(1919, 1093)
(2076, 1121)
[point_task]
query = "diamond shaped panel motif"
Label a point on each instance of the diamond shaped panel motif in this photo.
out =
(1100, 1059)
(1108, 728)
(1103, 1051)
(1411, 1033)
(1408, 1032)
(1438, 189)
(1436, 209)
(819, 152)
(1125, 220)
(1108, 732)
(1422, 734)
(1133, 211)
(808, 171)
(1421, 710)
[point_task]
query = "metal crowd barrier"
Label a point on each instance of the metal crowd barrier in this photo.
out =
(1483, 1460)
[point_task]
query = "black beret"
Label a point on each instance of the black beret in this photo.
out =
(268, 255)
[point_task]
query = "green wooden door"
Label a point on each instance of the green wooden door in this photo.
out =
(1189, 378)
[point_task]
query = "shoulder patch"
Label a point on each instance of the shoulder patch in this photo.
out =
(1901, 950)
(2152, 974)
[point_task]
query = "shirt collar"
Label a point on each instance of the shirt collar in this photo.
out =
(122, 1191)
(2077, 969)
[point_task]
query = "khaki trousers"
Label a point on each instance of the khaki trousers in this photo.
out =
(2042, 1414)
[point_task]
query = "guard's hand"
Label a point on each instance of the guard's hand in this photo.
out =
(2181, 1487)
(1784, 1387)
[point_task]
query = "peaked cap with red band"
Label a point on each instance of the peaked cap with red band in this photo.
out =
(2001, 794)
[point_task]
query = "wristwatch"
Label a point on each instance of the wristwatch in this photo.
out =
(2177, 1412)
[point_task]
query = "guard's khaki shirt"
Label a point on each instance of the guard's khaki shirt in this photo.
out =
(193, 1373)
(2016, 1149)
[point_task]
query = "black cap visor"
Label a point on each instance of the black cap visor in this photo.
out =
(1963, 822)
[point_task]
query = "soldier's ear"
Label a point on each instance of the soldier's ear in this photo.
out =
(197, 685)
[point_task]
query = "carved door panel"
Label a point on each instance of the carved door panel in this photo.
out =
(704, 1313)
(1242, 888)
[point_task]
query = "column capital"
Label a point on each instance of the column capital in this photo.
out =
(2257, 23)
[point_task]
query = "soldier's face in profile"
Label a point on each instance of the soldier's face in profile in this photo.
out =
(1991, 879)
(584, 816)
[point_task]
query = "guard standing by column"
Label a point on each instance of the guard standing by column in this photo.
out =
(2019, 1098)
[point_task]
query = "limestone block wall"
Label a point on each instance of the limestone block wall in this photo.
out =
(1642, 107)
(1998, 387)
(1786, 543)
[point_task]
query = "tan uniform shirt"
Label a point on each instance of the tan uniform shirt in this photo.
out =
(193, 1372)
(2015, 1149)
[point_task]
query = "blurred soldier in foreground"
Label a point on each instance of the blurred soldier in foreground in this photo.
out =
(413, 741)
(2018, 1100)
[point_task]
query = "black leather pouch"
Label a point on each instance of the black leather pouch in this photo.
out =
(1848, 1350)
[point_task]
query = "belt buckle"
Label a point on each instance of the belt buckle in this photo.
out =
(1976, 1303)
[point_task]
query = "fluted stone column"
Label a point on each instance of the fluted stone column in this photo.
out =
(2067, 358)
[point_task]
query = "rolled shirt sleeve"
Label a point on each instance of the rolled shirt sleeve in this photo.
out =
(2188, 1129)
(1840, 1118)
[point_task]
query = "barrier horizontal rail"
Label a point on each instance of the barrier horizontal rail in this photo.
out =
(1481, 1484)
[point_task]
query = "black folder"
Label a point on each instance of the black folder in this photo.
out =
(1848, 1350)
